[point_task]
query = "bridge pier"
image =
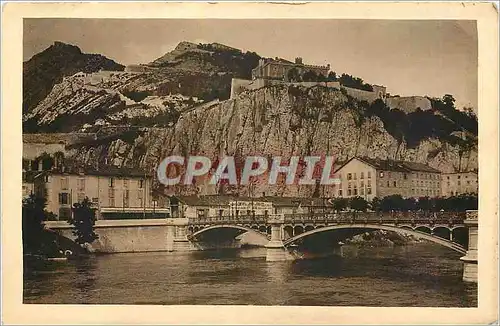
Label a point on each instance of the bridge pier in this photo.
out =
(275, 250)
(470, 258)
(180, 240)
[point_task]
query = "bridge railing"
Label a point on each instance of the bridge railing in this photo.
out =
(411, 217)
(225, 219)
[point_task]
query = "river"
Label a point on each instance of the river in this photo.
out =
(424, 275)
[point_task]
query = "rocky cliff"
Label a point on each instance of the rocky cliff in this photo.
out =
(277, 120)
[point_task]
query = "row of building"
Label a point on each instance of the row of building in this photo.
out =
(122, 193)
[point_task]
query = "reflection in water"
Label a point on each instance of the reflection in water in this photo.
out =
(419, 275)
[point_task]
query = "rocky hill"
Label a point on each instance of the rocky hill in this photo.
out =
(179, 107)
(213, 57)
(48, 68)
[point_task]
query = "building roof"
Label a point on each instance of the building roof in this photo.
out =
(225, 200)
(108, 170)
(295, 201)
(392, 165)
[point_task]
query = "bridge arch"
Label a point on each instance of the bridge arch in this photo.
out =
(415, 233)
(242, 229)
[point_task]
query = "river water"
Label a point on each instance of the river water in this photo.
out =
(423, 275)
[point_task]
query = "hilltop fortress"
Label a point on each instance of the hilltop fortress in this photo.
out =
(278, 72)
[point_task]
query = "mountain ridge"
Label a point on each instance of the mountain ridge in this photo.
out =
(47, 68)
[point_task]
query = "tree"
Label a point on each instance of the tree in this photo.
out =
(83, 221)
(310, 76)
(293, 75)
(410, 204)
(358, 204)
(332, 76)
(424, 204)
(340, 204)
(32, 224)
(375, 204)
(392, 203)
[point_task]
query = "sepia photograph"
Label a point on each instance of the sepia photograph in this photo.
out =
(251, 162)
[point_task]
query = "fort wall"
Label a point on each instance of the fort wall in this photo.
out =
(409, 103)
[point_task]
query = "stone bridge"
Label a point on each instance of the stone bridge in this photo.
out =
(291, 236)
(287, 236)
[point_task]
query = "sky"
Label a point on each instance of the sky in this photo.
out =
(425, 57)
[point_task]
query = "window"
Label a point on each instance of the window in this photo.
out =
(340, 192)
(362, 184)
(80, 197)
(63, 198)
(458, 182)
(394, 183)
(111, 196)
(468, 182)
(349, 176)
(81, 183)
(355, 176)
(125, 198)
(141, 183)
(111, 182)
(95, 199)
(381, 174)
(405, 176)
(448, 177)
(64, 183)
(349, 192)
(368, 191)
(369, 183)
(448, 183)
(369, 174)
(125, 183)
(458, 177)
(388, 184)
(355, 191)
(388, 174)
(361, 191)
(362, 176)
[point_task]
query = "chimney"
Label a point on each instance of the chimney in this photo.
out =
(298, 60)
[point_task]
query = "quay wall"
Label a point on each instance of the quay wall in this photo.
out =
(116, 236)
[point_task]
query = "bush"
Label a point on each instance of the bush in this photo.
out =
(355, 82)
(136, 96)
